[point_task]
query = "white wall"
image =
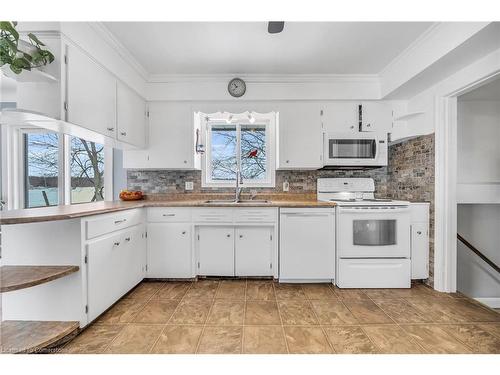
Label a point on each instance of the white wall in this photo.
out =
(262, 87)
(479, 224)
(478, 141)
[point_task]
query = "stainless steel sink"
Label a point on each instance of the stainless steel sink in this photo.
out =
(235, 203)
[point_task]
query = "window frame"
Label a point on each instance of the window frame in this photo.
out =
(13, 167)
(268, 120)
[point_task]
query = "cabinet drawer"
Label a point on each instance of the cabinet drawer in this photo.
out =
(166, 215)
(213, 215)
(104, 224)
(374, 273)
(255, 215)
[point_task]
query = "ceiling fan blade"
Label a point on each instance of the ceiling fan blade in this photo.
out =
(275, 27)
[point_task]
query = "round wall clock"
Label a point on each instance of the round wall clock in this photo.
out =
(236, 87)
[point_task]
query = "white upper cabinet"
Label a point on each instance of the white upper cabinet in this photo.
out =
(91, 94)
(300, 142)
(340, 117)
(130, 116)
(376, 116)
(171, 139)
(344, 117)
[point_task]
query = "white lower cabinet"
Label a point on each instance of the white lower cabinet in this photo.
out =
(215, 250)
(307, 244)
(419, 220)
(253, 251)
(236, 242)
(115, 264)
(169, 250)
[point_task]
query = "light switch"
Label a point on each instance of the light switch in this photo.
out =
(286, 186)
(189, 185)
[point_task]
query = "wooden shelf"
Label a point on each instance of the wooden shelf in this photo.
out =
(31, 336)
(20, 277)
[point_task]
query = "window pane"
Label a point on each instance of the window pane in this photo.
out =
(41, 169)
(87, 171)
(253, 152)
(223, 152)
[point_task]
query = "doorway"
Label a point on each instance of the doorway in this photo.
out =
(478, 194)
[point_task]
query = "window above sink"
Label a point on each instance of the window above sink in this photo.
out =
(242, 142)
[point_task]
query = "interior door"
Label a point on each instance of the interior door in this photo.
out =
(91, 93)
(215, 250)
(253, 251)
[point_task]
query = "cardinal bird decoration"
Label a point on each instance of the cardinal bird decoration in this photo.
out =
(252, 154)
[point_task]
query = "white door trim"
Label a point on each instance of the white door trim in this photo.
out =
(445, 233)
(445, 215)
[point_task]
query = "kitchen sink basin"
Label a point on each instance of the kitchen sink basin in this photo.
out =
(236, 203)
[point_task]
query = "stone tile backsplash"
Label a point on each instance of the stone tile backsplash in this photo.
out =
(411, 171)
(409, 176)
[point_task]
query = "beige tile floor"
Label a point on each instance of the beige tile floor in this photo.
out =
(252, 316)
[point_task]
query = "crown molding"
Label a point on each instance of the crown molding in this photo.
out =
(114, 43)
(432, 30)
(264, 78)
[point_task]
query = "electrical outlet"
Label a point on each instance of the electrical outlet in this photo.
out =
(189, 185)
(286, 186)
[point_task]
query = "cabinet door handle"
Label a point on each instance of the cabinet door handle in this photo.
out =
(127, 239)
(419, 232)
(241, 236)
(228, 235)
(288, 161)
(110, 129)
(123, 133)
(168, 215)
(120, 221)
(368, 125)
(184, 232)
(116, 243)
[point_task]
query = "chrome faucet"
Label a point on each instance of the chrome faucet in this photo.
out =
(239, 181)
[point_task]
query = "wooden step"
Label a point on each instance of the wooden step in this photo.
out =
(18, 336)
(20, 277)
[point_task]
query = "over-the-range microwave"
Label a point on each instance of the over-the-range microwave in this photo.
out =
(355, 149)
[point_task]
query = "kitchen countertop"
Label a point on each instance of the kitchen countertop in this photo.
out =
(34, 215)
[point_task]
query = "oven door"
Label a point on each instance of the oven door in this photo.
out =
(373, 232)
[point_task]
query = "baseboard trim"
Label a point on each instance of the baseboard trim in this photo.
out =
(494, 303)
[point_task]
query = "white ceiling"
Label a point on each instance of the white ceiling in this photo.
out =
(489, 91)
(247, 48)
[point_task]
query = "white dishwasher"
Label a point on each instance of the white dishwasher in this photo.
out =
(307, 244)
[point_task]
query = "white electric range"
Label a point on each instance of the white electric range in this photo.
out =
(373, 235)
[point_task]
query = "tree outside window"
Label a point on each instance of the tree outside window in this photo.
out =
(42, 155)
(87, 171)
(238, 142)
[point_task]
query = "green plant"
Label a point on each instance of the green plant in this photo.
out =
(21, 56)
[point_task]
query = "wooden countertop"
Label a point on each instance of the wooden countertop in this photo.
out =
(65, 212)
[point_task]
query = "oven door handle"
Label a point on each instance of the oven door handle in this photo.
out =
(374, 209)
